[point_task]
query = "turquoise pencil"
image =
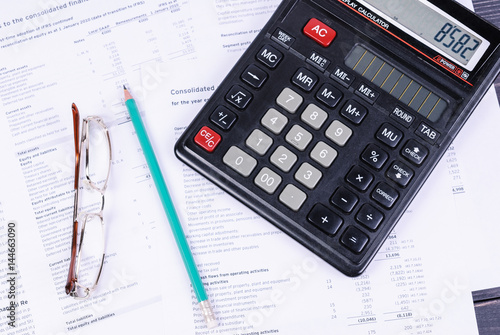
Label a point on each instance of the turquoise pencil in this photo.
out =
(168, 206)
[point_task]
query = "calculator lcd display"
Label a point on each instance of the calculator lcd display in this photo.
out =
(434, 28)
(396, 83)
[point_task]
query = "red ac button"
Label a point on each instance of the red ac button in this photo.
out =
(207, 139)
(319, 32)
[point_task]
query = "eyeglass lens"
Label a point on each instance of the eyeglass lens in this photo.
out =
(96, 152)
(91, 252)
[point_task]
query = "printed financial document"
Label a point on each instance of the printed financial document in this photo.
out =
(417, 283)
(55, 53)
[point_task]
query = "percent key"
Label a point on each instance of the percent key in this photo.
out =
(374, 156)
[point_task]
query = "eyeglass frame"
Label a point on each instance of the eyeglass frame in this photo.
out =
(72, 284)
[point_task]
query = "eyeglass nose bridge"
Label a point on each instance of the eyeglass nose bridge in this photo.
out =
(101, 198)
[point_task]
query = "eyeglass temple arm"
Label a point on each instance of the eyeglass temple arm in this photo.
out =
(76, 133)
(70, 283)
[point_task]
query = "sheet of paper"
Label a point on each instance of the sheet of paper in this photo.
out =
(474, 186)
(470, 162)
(53, 54)
(257, 277)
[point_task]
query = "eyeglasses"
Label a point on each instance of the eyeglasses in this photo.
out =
(87, 254)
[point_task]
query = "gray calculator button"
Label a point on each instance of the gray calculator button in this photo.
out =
(323, 154)
(239, 161)
(259, 142)
(283, 158)
(289, 100)
(268, 180)
(338, 132)
(274, 121)
(314, 116)
(308, 175)
(298, 137)
(292, 197)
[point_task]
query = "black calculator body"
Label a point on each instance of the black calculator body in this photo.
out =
(337, 113)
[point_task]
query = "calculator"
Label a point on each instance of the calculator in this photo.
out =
(336, 114)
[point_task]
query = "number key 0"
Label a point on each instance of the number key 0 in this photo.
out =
(239, 161)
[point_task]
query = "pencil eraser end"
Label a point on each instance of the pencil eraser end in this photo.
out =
(208, 314)
(212, 324)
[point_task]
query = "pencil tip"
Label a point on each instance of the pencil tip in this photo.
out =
(127, 94)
